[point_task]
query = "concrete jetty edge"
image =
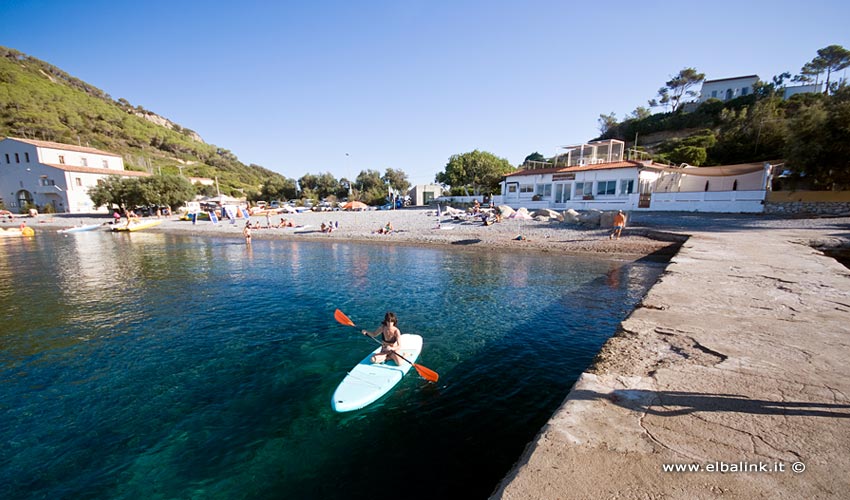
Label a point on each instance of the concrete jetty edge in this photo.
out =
(734, 365)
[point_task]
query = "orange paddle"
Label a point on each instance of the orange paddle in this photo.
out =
(426, 373)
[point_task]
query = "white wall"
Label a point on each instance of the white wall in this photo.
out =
(709, 201)
(738, 86)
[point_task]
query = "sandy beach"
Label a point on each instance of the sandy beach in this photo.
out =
(412, 226)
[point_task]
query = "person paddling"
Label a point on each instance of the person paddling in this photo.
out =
(390, 339)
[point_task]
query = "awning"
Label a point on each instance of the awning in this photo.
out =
(720, 171)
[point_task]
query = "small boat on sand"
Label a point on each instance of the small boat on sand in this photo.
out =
(80, 229)
(137, 226)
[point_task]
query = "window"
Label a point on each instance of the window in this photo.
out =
(583, 188)
(714, 93)
(105, 164)
(706, 185)
(526, 188)
(735, 185)
(84, 162)
(544, 190)
(7, 158)
(17, 158)
(61, 159)
(27, 157)
(627, 186)
(79, 181)
(512, 188)
(44, 181)
(745, 91)
(606, 187)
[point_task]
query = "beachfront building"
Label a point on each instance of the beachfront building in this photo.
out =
(596, 176)
(424, 194)
(43, 173)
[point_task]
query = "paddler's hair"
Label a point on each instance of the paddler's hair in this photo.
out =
(390, 318)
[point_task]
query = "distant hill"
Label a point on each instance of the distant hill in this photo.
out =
(40, 101)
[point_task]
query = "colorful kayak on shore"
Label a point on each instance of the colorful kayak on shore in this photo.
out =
(367, 382)
(137, 226)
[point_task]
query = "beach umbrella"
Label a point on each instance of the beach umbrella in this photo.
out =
(355, 205)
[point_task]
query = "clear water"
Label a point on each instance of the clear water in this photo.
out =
(152, 365)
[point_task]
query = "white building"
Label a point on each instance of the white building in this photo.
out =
(50, 173)
(727, 89)
(424, 194)
(802, 89)
(591, 181)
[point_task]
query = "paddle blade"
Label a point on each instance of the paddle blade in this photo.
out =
(426, 373)
(342, 318)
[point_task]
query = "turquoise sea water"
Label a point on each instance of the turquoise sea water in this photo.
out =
(152, 365)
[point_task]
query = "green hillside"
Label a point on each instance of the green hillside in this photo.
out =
(40, 101)
(809, 132)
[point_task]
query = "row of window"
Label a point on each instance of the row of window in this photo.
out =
(83, 161)
(17, 158)
(603, 188)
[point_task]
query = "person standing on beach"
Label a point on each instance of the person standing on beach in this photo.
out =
(619, 224)
(246, 231)
(390, 339)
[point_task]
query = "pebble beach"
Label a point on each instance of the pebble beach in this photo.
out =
(412, 226)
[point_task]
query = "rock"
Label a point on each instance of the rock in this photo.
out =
(571, 215)
(506, 211)
(547, 214)
(591, 218)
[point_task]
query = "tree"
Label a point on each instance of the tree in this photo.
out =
(640, 113)
(607, 122)
(818, 145)
(479, 170)
(170, 190)
(535, 156)
(371, 187)
(115, 190)
(663, 99)
(278, 188)
(830, 59)
(397, 180)
(678, 87)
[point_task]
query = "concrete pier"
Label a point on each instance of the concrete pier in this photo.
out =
(736, 365)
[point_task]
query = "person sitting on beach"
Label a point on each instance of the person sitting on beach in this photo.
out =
(386, 229)
(390, 339)
(476, 207)
(325, 228)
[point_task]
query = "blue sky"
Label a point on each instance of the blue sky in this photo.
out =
(343, 86)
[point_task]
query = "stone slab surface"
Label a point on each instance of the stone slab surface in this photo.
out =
(739, 355)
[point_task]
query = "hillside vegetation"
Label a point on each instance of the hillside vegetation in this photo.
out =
(809, 131)
(40, 101)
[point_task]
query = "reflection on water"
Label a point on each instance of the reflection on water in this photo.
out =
(156, 365)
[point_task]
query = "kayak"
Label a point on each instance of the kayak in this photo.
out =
(367, 381)
(80, 229)
(135, 226)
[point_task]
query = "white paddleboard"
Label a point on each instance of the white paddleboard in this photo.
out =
(367, 382)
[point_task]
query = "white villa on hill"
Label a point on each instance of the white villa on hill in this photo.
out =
(50, 173)
(596, 175)
(727, 89)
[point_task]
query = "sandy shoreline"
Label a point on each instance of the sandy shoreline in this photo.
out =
(417, 226)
